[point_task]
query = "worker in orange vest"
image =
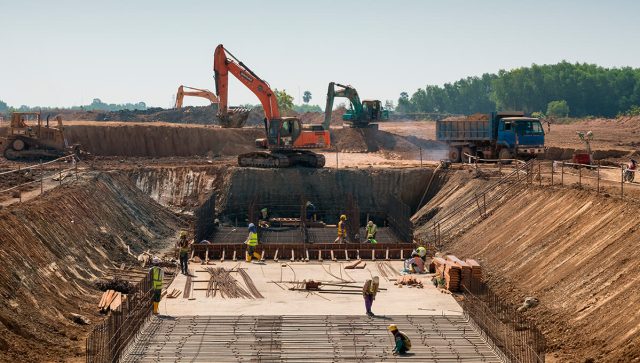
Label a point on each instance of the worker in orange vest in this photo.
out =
(342, 230)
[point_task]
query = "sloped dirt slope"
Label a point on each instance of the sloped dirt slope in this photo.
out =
(52, 248)
(578, 253)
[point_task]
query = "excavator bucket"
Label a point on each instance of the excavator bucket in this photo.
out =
(235, 117)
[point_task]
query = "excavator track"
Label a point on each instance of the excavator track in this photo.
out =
(281, 159)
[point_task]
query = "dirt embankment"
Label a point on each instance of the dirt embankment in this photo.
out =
(160, 140)
(575, 251)
(53, 247)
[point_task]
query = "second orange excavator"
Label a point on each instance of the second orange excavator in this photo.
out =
(194, 92)
(289, 142)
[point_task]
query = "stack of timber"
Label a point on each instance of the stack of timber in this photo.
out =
(452, 276)
(111, 300)
(465, 278)
(476, 270)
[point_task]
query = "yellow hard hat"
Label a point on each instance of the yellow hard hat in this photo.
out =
(392, 327)
(183, 234)
(343, 217)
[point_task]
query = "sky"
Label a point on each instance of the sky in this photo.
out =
(68, 52)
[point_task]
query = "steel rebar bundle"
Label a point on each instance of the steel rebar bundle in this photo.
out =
(249, 283)
(221, 280)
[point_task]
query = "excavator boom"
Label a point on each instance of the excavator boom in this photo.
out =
(194, 92)
(286, 138)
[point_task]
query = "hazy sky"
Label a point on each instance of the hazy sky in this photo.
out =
(68, 52)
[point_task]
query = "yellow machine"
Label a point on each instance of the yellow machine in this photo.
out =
(194, 92)
(28, 138)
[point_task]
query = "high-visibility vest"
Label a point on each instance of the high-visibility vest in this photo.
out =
(156, 277)
(371, 231)
(253, 239)
(341, 229)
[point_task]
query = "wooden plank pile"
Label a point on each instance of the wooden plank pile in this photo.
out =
(408, 280)
(476, 270)
(111, 300)
(465, 276)
(358, 264)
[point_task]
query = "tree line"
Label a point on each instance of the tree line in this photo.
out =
(95, 105)
(578, 90)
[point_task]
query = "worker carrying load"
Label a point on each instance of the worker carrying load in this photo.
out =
(402, 341)
(372, 230)
(415, 264)
(369, 291)
(342, 230)
(252, 242)
(183, 249)
(157, 275)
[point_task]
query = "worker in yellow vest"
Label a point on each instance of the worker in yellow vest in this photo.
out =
(252, 242)
(369, 291)
(157, 275)
(183, 248)
(342, 230)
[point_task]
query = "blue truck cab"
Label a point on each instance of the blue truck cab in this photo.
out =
(498, 135)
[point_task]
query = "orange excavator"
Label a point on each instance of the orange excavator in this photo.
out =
(194, 92)
(288, 141)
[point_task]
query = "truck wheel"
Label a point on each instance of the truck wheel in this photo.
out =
(505, 154)
(466, 150)
(454, 154)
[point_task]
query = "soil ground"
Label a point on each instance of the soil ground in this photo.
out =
(570, 247)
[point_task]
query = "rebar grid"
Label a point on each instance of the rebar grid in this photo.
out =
(308, 338)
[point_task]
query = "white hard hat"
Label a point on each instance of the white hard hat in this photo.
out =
(155, 260)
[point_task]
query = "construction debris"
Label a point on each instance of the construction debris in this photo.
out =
(116, 284)
(173, 294)
(409, 280)
(353, 265)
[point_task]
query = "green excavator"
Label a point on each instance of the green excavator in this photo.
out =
(360, 113)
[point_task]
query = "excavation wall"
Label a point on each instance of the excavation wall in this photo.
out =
(54, 246)
(574, 250)
(160, 140)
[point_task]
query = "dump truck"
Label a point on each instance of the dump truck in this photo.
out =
(498, 135)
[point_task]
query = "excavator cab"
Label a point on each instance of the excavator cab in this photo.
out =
(283, 132)
(372, 109)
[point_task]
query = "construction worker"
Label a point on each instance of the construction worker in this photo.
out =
(403, 343)
(311, 211)
(372, 229)
(415, 264)
(264, 213)
(157, 275)
(422, 252)
(342, 230)
(369, 291)
(183, 248)
(252, 242)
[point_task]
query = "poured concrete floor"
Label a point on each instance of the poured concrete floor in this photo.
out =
(279, 300)
(296, 326)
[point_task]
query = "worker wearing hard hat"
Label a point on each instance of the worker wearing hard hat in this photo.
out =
(157, 275)
(342, 230)
(422, 252)
(252, 242)
(415, 264)
(403, 343)
(183, 248)
(372, 230)
(369, 291)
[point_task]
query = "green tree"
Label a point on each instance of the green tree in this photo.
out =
(285, 100)
(4, 108)
(558, 108)
(306, 97)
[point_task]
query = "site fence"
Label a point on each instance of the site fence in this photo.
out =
(108, 340)
(505, 327)
(22, 179)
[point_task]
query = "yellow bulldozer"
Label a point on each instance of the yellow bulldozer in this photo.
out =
(28, 137)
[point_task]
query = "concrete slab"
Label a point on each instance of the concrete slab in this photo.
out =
(279, 300)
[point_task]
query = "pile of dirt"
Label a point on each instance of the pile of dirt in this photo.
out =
(205, 115)
(574, 250)
(316, 118)
(53, 247)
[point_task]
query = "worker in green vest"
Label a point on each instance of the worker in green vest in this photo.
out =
(372, 230)
(157, 275)
(402, 341)
(252, 242)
